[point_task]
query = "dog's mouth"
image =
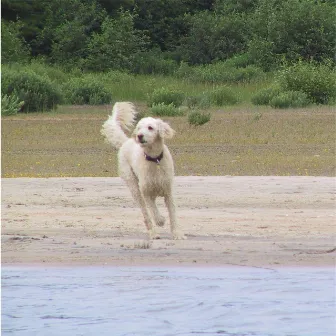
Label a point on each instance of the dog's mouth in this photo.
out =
(141, 140)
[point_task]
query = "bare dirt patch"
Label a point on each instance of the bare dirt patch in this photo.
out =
(235, 142)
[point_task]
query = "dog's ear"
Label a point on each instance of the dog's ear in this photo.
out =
(165, 131)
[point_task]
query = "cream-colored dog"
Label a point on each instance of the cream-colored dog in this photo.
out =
(145, 163)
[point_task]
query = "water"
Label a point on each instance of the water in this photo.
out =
(168, 301)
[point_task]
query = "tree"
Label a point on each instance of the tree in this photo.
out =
(113, 7)
(68, 29)
(214, 37)
(31, 15)
(13, 46)
(116, 46)
(164, 20)
(225, 7)
(292, 30)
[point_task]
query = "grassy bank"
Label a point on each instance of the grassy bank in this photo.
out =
(123, 86)
(240, 140)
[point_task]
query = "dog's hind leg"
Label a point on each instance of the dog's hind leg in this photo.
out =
(159, 220)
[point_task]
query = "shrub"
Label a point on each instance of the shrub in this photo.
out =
(220, 72)
(209, 74)
(38, 92)
(198, 118)
(318, 81)
(53, 72)
(290, 99)
(86, 90)
(198, 101)
(153, 62)
(222, 95)
(261, 53)
(117, 76)
(10, 105)
(184, 70)
(239, 61)
(167, 97)
(161, 110)
(264, 96)
(247, 74)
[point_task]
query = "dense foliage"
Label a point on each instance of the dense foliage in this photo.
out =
(37, 92)
(317, 81)
(92, 51)
(166, 96)
(86, 91)
(145, 36)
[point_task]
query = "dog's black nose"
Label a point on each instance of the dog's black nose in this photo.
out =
(140, 137)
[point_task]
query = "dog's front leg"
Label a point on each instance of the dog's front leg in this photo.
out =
(152, 212)
(134, 188)
(177, 234)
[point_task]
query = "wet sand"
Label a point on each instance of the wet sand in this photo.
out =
(253, 221)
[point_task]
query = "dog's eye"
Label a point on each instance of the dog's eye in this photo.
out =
(150, 128)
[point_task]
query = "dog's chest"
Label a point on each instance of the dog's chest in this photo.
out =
(156, 178)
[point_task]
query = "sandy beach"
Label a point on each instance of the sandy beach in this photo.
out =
(252, 221)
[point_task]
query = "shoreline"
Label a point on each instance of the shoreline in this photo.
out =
(153, 265)
(246, 221)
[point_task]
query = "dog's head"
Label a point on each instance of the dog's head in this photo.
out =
(150, 130)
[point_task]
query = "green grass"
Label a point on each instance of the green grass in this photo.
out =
(138, 88)
(127, 87)
(67, 142)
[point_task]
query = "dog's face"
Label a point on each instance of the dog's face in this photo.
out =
(150, 130)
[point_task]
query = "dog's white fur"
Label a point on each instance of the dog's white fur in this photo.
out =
(146, 179)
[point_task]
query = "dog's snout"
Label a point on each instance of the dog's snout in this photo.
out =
(140, 137)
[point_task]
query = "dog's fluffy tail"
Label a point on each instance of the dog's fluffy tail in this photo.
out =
(121, 119)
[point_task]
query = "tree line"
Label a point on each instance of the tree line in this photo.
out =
(147, 36)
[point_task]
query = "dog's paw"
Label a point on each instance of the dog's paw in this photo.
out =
(179, 236)
(160, 221)
(153, 235)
